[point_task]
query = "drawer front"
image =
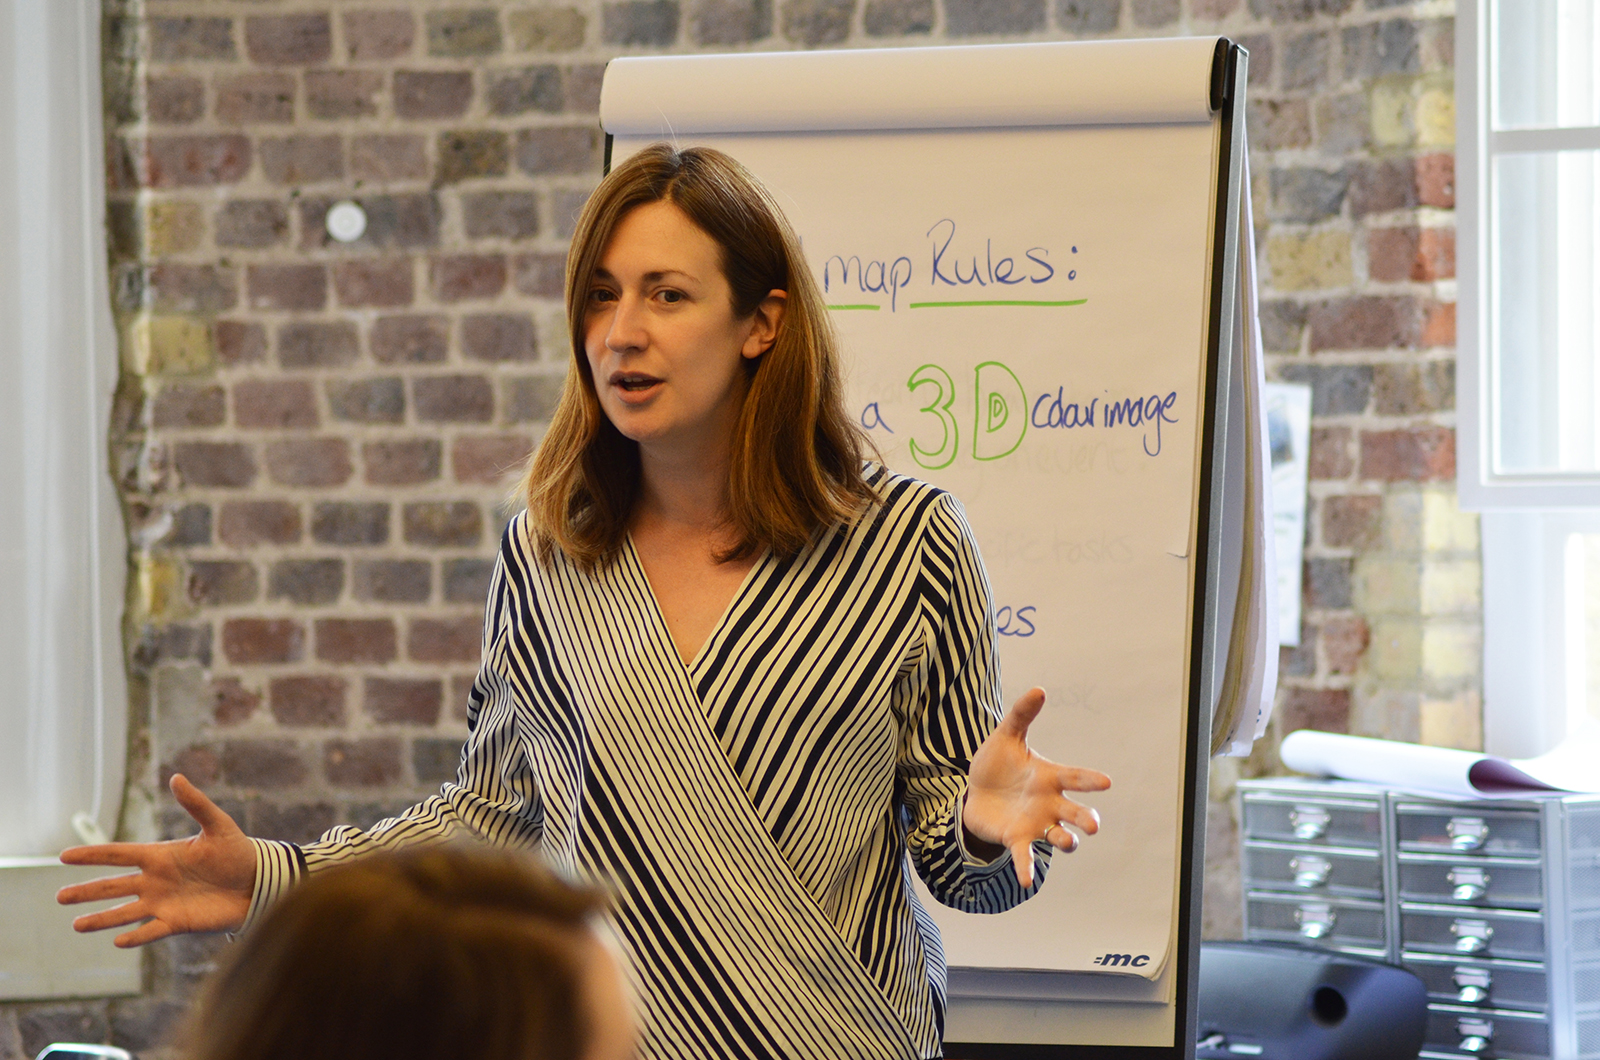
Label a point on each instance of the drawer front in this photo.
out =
(1432, 829)
(1323, 822)
(1313, 870)
(1472, 932)
(1480, 984)
(1471, 881)
(1497, 1033)
(1329, 923)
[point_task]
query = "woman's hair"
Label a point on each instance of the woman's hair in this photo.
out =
(441, 952)
(795, 464)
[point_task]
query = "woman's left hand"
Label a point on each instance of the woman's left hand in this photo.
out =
(1016, 796)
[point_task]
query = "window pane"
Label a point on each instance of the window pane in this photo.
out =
(1583, 629)
(1545, 368)
(1544, 63)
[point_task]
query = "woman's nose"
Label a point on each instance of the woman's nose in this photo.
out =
(627, 330)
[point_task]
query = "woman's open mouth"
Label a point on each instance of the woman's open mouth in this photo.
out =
(634, 384)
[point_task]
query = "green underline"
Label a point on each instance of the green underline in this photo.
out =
(864, 306)
(948, 305)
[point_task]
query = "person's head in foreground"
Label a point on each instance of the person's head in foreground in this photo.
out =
(699, 336)
(442, 952)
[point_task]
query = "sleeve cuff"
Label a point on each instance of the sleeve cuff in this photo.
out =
(279, 867)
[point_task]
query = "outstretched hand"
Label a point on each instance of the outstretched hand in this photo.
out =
(202, 883)
(1015, 795)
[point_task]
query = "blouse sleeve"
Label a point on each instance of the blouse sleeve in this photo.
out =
(494, 798)
(947, 706)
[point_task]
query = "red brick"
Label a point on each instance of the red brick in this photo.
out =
(1344, 641)
(394, 581)
(223, 464)
(355, 640)
(287, 286)
(343, 93)
(434, 761)
(350, 523)
(239, 342)
(404, 701)
(1436, 255)
(431, 93)
(178, 40)
(489, 459)
(1436, 181)
(270, 764)
(307, 700)
(1419, 454)
(403, 462)
(309, 582)
(181, 405)
(460, 693)
(541, 275)
(498, 337)
(198, 763)
(317, 344)
(1383, 186)
(194, 161)
(384, 157)
(315, 462)
(218, 583)
(370, 35)
(231, 702)
(246, 524)
(380, 400)
(1325, 709)
(445, 640)
(410, 220)
(288, 40)
(302, 159)
(263, 640)
(274, 403)
(366, 763)
(251, 223)
(442, 524)
(410, 339)
(500, 215)
(1439, 325)
(583, 81)
(373, 282)
(574, 149)
(1330, 453)
(299, 822)
(176, 288)
(174, 100)
(1354, 521)
(247, 99)
(453, 399)
(466, 581)
(458, 277)
(1368, 322)
(464, 154)
(1391, 253)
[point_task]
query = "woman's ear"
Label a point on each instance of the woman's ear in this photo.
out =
(765, 322)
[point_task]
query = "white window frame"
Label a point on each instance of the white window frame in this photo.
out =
(63, 548)
(1527, 518)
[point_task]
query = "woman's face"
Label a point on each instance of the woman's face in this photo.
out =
(663, 343)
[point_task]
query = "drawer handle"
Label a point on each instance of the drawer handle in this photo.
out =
(1309, 822)
(1310, 870)
(1473, 985)
(1476, 1034)
(1467, 833)
(1469, 884)
(1316, 920)
(1472, 936)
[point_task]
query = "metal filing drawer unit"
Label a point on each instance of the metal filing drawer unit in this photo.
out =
(1495, 905)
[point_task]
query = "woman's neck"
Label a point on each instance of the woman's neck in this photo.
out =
(683, 493)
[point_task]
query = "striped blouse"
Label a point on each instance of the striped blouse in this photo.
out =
(751, 813)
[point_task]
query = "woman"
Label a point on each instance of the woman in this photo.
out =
(729, 670)
(430, 953)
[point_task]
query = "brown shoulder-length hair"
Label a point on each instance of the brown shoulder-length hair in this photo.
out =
(441, 952)
(796, 461)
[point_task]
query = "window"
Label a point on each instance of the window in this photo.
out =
(1528, 216)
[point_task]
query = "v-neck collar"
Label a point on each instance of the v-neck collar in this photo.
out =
(691, 667)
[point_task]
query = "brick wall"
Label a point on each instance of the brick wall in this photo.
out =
(313, 439)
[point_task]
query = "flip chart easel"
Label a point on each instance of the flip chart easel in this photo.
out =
(1031, 253)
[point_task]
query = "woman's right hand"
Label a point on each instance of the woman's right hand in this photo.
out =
(202, 883)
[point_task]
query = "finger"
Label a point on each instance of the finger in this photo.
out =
(1062, 838)
(1076, 814)
(1022, 861)
(1072, 778)
(99, 890)
(1022, 713)
(203, 810)
(155, 929)
(126, 913)
(126, 855)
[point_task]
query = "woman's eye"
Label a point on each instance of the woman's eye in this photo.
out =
(600, 294)
(671, 297)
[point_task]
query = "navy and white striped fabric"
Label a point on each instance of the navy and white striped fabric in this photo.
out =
(751, 812)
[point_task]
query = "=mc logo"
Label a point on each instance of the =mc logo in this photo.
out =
(1122, 960)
